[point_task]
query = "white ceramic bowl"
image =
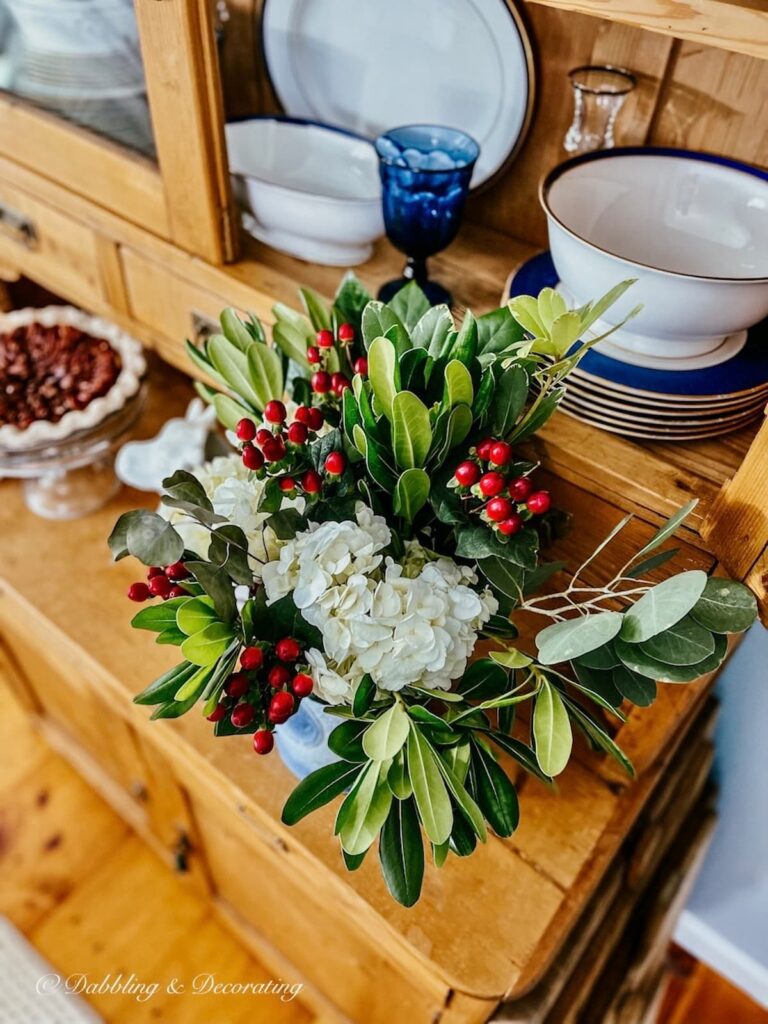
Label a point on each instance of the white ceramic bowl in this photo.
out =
(692, 228)
(312, 191)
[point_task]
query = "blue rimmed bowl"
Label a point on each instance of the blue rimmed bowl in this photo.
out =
(307, 189)
(690, 227)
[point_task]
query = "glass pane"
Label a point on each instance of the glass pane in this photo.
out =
(79, 59)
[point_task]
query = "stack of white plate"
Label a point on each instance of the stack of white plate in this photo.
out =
(677, 399)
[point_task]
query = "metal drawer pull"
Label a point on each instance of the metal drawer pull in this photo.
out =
(18, 227)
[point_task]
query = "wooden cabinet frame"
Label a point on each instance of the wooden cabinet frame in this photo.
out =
(185, 196)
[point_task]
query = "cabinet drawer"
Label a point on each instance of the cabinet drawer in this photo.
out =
(48, 246)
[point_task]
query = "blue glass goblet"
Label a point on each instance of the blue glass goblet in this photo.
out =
(425, 173)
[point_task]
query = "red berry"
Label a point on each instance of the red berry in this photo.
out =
(274, 449)
(520, 488)
(237, 685)
(512, 525)
(484, 448)
(303, 415)
(340, 383)
(491, 484)
(313, 354)
(263, 741)
(218, 713)
(361, 366)
(246, 430)
(312, 482)
(498, 509)
(177, 571)
(252, 457)
(324, 339)
(501, 453)
(321, 382)
(252, 658)
(467, 473)
(281, 706)
(302, 684)
(287, 484)
(274, 411)
(287, 649)
(139, 591)
(336, 463)
(177, 592)
(346, 333)
(154, 570)
(538, 503)
(159, 586)
(278, 676)
(316, 419)
(263, 435)
(298, 433)
(242, 716)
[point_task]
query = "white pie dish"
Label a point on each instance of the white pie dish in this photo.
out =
(309, 190)
(691, 228)
(42, 432)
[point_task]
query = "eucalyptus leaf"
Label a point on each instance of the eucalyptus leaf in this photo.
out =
(725, 606)
(573, 638)
(511, 659)
(551, 730)
(187, 487)
(652, 562)
(684, 643)
(153, 540)
(597, 683)
(636, 688)
(217, 585)
(668, 528)
(633, 656)
(663, 606)
(601, 658)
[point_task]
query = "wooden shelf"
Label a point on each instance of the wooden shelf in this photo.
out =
(737, 25)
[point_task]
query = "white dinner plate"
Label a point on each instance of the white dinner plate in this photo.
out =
(599, 414)
(372, 65)
(658, 405)
(653, 434)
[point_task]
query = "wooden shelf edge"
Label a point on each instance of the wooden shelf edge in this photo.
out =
(740, 26)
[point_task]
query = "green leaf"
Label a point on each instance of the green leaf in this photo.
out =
(346, 741)
(413, 365)
(229, 412)
(494, 792)
(725, 606)
(653, 562)
(229, 550)
(497, 331)
(684, 643)
(564, 331)
(511, 659)
(483, 679)
(429, 789)
(292, 334)
(235, 330)
(365, 809)
(187, 487)
(521, 752)
(432, 330)
(668, 528)
(318, 789)
(207, 646)
(383, 373)
(536, 417)
(551, 731)
(171, 636)
(504, 575)
(411, 431)
(597, 734)
(633, 656)
(550, 306)
(388, 733)
(350, 300)
(118, 538)
(233, 366)
(464, 347)
(266, 371)
(463, 800)
(639, 689)
(597, 683)
(401, 852)
(194, 614)
(663, 606)
(217, 586)
(352, 861)
(158, 617)
(377, 320)
(153, 540)
(364, 696)
(595, 310)
(478, 542)
(509, 399)
(199, 359)
(315, 309)
(193, 686)
(409, 304)
(601, 658)
(573, 638)
(458, 387)
(164, 687)
(451, 429)
(525, 310)
(398, 779)
(411, 493)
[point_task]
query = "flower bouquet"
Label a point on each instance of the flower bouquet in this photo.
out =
(376, 520)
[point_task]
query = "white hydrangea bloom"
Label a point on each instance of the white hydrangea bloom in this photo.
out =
(412, 623)
(226, 482)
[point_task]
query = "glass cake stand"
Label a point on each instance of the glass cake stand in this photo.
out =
(69, 478)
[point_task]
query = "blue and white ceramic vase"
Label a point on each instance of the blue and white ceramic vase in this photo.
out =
(302, 741)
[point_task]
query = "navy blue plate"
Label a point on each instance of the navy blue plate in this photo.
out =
(746, 370)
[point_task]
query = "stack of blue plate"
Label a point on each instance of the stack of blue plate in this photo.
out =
(647, 402)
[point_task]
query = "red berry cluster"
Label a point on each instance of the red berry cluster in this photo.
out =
(161, 582)
(323, 382)
(266, 690)
(506, 501)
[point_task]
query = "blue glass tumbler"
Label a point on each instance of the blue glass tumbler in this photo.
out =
(425, 174)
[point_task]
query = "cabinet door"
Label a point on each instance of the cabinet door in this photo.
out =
(120, 102)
